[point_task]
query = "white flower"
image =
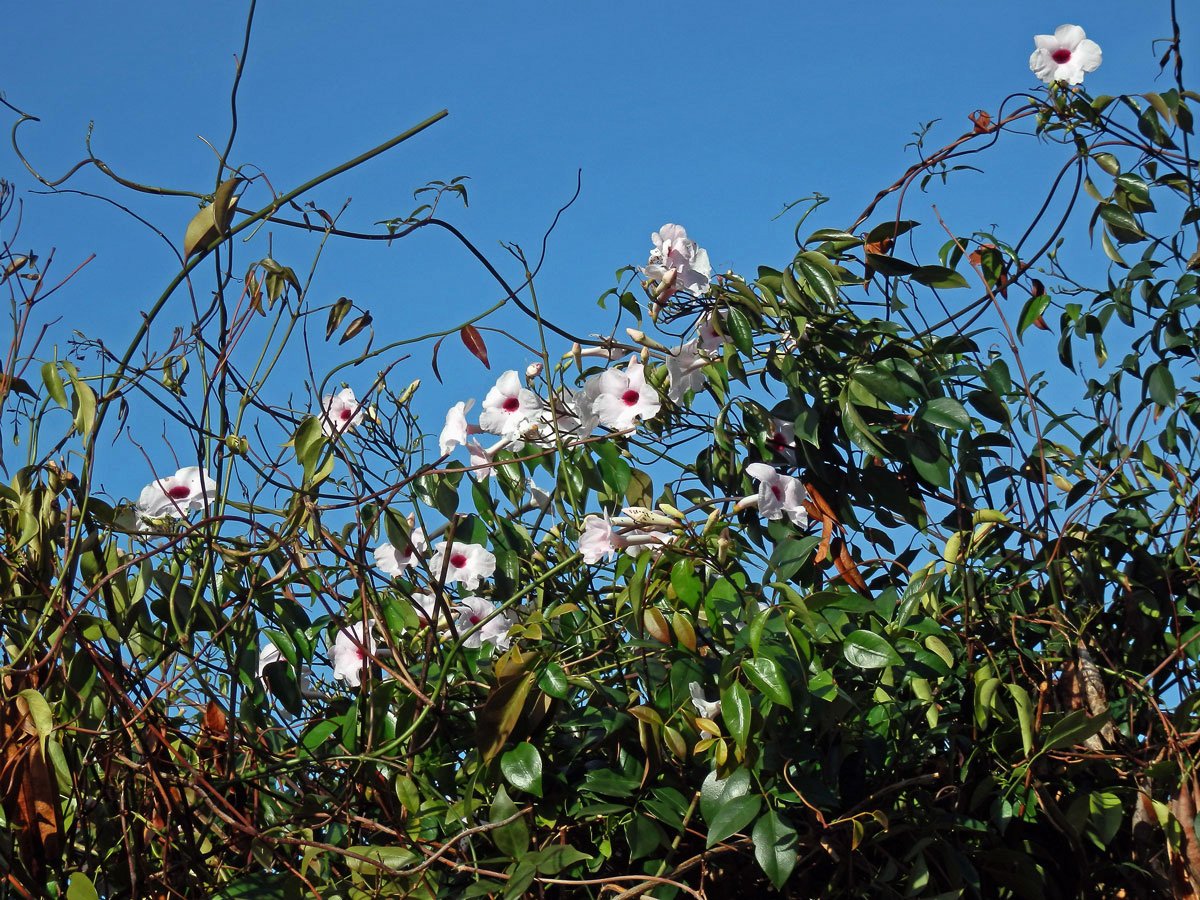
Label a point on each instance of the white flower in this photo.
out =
(1064, 56)
(600, 539)
(781, 440)
(176, 495)
(538, 497)
(468, 563)
(470, 612)
(778, 495)
(456, 429)
(708, 336)
(393, 561)
(340, 412)
(684, 364)
(569, 414)
(621, 396)
(424, 605)
(508, 408)
(266, 656)
(705, 708)
(350, 648)
(677, 263)
(533, 370)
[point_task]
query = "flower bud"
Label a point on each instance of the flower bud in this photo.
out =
(639, 337)
(533, 370)
(409, 391)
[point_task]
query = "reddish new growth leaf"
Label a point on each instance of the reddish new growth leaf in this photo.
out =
(474, 342)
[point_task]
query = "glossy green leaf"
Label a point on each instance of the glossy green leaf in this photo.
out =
(739, 330)
(522, 768)
(869, 651)
(736, 712)
(768, 677)
(945, 412)
(734, 815)
(774, 847)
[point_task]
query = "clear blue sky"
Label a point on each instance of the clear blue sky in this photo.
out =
(710, 115)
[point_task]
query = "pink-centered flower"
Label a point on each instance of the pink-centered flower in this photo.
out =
(621, 396)
(509, 408)
(340, 412)
(710, 340)
(778, 495)
(1064, 56)
(393, 560)
(489, 626)
(456, 430)
(176, 495)
(677, 263)
(781, 440)
(351, 648)
(468, 563)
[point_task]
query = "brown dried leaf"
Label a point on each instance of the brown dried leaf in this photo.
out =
(474, 342)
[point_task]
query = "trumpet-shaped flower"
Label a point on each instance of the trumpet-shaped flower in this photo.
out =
(176, 495)
(423, 605)
(509, 408)
(473, 612)
(456, 430)
(1064, 56)
(393, 560)
(684, 365)
(619, 397)
(601, 540)
(468, 563)
(351, 648)
(677, 263)
(710, 340)
(340, 412)
(778, 495)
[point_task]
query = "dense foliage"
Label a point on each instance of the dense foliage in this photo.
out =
(814, 589)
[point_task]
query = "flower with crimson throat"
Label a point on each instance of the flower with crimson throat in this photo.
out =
(1064, 56)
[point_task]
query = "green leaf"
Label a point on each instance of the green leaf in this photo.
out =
(736, 710)
(716, 792)
(554, 681)
(945, 412)
(859, 431)
(522, 768)
(774, 847)
(1032, 311)
(500, 713)
(1160, 385)
(868, 650)
(80, 887)
(408, 795)
(39, 713)
(1107, 162)
(381, 859)
(555, 858)
(734, 815)
(939, 277)
(1121, 219)
(54, 384)
(738, 328)
(818, 273)
(512, 839)
(768, 677)
(1024, 715)
(1074, 728)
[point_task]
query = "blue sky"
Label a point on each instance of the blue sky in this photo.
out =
(708, 115)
